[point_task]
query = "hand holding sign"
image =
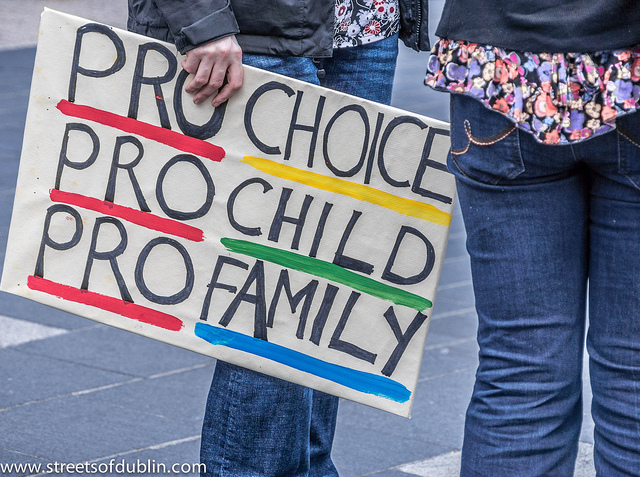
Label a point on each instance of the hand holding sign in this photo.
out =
(211, 64)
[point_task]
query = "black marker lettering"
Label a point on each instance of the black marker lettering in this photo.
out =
(383, 144)
(279, 218)
(205, 131)
(176, 214)
(307, 293)
(428, 263)
(294, 125)
(156, 81)
(47, 241)
(347, 262)
(248, 113)
(64, 160)
(372, 149)
(178, 297)
(110, 255)
(251, 231)
(115, 165)
(76, 69)
(320, 229)
(424, 162)
(214, 283)
(365, 143)
(403, 338)
(344, 346)
(256, 275)
(323, 313)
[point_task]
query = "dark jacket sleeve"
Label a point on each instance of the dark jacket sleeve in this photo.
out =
(414, 24)
(194, 22)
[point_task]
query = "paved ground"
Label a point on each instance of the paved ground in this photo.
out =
(72, 390)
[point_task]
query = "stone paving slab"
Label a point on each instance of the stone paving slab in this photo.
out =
(77, 429)
(111, 349)
(27, 379)
(16, 332)
(448, 465)
(160, 458)
(179, 394)
(355, 454)
(18, 307)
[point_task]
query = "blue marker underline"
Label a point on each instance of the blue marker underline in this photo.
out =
(358, 380)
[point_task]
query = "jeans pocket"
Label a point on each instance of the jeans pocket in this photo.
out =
(628, 131)
(485, 145)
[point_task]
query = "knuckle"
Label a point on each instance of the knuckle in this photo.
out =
(215, 84)
(198, 82)
(188, 67)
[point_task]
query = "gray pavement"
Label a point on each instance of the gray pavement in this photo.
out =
(72, 390)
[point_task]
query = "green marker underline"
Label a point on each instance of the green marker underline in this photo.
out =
(327, 270)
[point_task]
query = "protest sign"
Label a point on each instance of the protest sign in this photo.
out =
(295, 230)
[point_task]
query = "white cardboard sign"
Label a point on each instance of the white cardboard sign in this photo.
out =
(296, 231)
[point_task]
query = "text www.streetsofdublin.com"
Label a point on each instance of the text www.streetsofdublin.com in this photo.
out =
(111, 467)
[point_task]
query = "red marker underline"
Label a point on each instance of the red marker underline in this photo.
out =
(107, 303)
(133, 126)
(145, 219)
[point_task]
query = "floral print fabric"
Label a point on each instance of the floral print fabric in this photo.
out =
(560, 98)
(359, 22)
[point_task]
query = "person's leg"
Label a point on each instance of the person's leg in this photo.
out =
(299, 68)
(255, 425)
(324, 414)
(366, 71)
(613, 339)
(525, 211)
(258, 425)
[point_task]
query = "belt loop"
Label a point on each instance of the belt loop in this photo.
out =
(321, 72)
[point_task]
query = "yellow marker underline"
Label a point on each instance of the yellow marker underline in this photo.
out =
(365, 193)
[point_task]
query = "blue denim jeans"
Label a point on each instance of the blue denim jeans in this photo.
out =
(550, 231)
(257, 425)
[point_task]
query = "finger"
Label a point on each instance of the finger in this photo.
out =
(235, 76)
(190, 63)
(201, 79)
(214, 83)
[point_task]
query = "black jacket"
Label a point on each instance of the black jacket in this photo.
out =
(556, 26)
(272, 27)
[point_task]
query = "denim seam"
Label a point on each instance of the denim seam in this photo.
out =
(625, 134)
(453, 159)
(232, 409)
(623, 168)
(499, 136)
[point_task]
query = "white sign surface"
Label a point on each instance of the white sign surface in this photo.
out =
(296, 231)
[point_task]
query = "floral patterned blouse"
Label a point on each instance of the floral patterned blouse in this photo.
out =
(560, 98)
(359, 22)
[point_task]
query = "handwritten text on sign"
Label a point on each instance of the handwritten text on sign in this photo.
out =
(294, 230)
